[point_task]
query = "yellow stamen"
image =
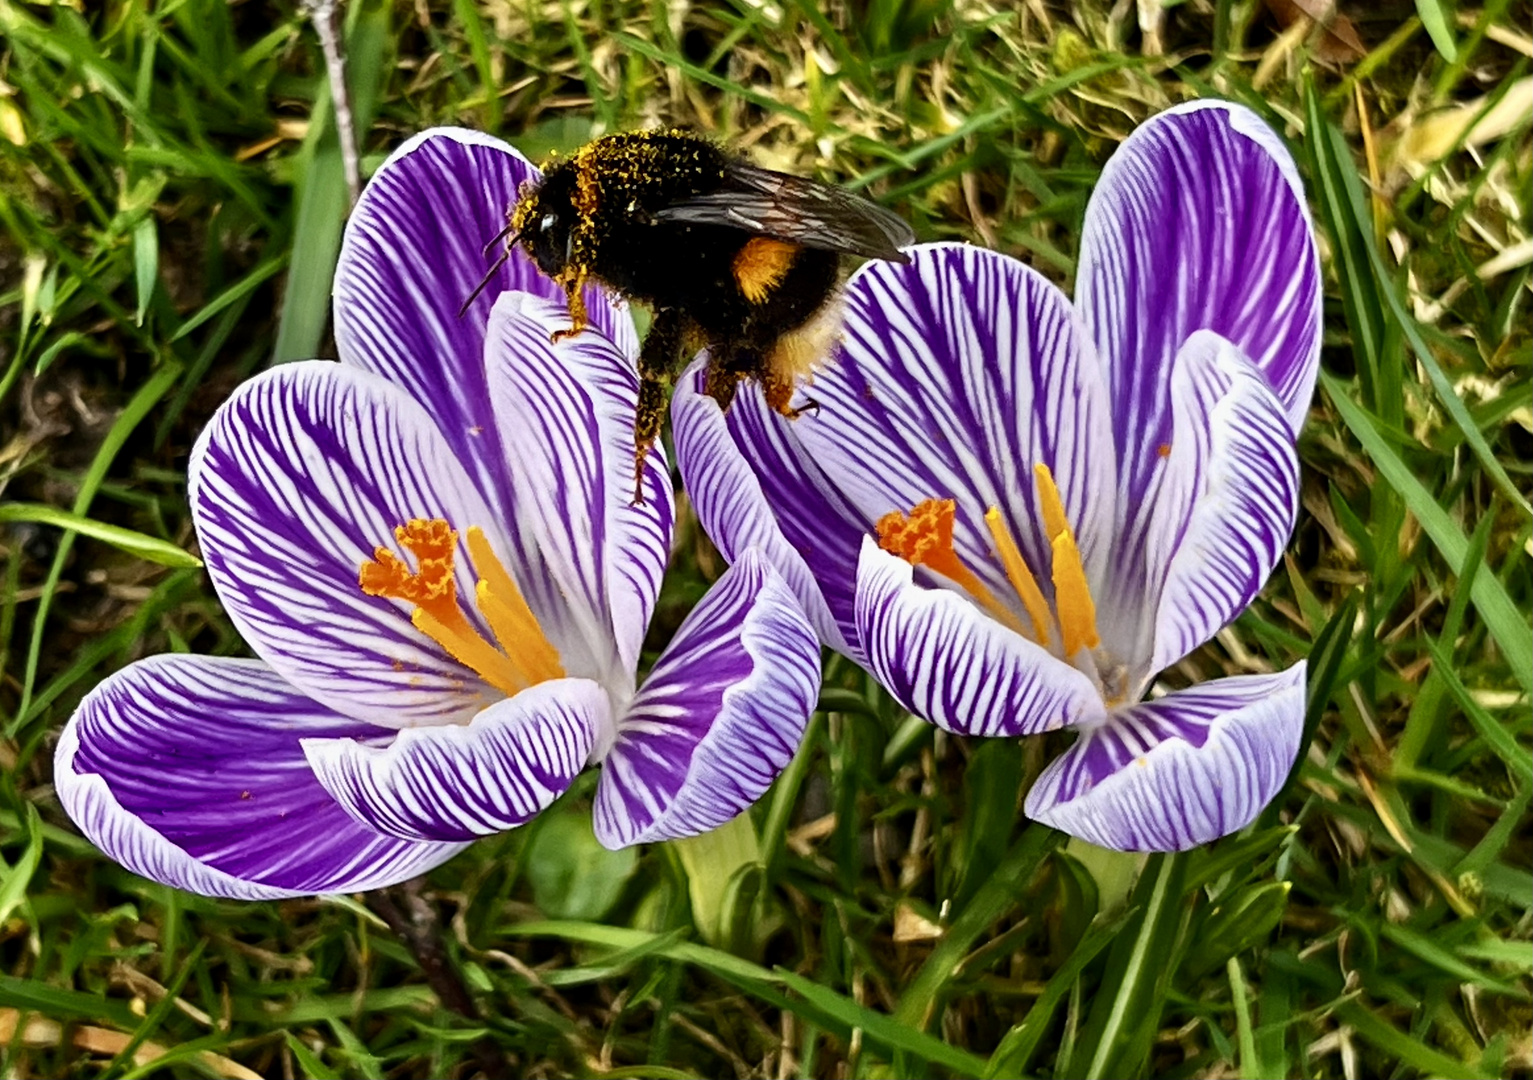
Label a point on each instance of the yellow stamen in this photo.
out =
(434, 592)
(1021, 577)
(1072, 594)
(924, 537)
(515, 627)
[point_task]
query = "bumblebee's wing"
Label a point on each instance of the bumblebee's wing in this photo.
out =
(798, 210)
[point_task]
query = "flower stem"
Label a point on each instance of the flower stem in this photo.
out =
(712, 862)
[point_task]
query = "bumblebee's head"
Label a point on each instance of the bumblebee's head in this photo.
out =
(543, 223)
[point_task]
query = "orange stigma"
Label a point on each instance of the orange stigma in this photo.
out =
(924, 537)
(525, 656)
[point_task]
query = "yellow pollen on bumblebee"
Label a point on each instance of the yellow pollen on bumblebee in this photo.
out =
(924, 537)
(525, 656)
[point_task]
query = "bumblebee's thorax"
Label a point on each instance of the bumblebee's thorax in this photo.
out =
(593, 207)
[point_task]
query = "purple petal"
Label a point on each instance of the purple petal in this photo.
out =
(1171, 774)
(957, 375)
(413, 252)
(729, 493)
(566, 413)
(459, 782)
(188, 771)
(720, 715)
(947, 661)
(297, 479)
(1198, 223)
(1230, 496)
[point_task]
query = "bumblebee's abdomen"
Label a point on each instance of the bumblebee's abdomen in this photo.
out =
(723, 278)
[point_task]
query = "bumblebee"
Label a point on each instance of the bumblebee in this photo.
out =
(733, 258)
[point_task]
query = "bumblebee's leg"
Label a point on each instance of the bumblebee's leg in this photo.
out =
(722, 383)
(779, 395)
(575, 296)
(729, 364)
(793, 412)
(657, 364)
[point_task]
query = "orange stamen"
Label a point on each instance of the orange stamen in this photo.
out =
(924, 537)
(434, 592)
(1072, 593)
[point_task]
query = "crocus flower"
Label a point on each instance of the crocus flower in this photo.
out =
(430, 547)
(1015, 511)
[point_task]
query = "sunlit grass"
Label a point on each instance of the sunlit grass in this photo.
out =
(171, 195)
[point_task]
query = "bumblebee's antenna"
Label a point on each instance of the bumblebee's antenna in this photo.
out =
(497, 238)
(510, 238)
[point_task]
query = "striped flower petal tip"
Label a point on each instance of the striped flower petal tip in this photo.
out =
(1015, 510)
(433, 550)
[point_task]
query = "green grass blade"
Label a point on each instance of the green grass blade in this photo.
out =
(58, 1002)
(132, 415)
(1240, 995)
(1116, 1036)
(993, 899)
(146, 262)
(467, 14)
(1437, 17)
(1015, 1051)
(232, 295)
(1425, 949)
(134, 543)
(1409, 1050)
(1508, 626)
(308, 1060)
(708, 78)
(1369, 293)
(1340, 195)
(887, 1030)
(323, 201)
(13, 887)
(1519, 760)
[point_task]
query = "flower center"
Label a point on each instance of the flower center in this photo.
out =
(924, 537)
(525, 656)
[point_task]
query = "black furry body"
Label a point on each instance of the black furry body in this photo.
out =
(729, 257)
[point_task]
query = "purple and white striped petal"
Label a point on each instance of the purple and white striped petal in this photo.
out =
(298, 478)
(1226, 508)
(957, 374)
(947, 661)
(459, 782)
(1216, 516)
(729, 494)
(1199, 222)
(1171, 774)
(720, 715)
(566, 414)
(413, 252)
(188, 770)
